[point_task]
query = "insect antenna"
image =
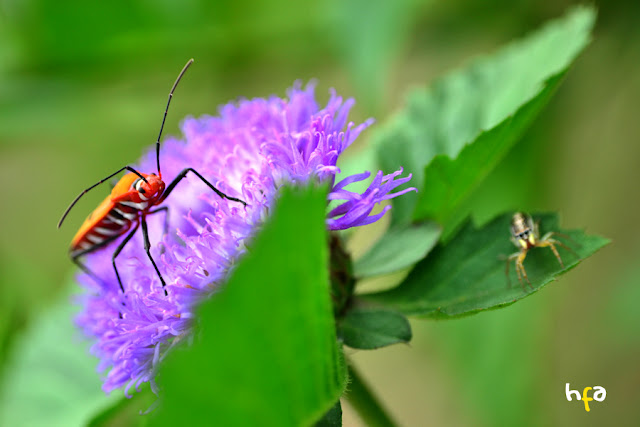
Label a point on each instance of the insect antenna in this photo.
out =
(129, 168)
(166, 110)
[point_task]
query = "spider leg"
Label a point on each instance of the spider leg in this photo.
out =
(520, 265)
(551, 243)
(507, 263)
(564, 236)
(547, 237)
(559, 243)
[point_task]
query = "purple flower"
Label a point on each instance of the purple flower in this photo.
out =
(248, 151)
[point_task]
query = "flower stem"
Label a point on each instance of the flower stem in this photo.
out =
(364, 402)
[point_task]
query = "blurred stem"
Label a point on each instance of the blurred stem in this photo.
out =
(364, 402)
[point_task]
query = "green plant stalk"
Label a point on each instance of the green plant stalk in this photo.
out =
(364, 402)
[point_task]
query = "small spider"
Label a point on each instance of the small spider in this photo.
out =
(525, 235)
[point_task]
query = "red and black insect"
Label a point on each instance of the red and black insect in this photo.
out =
(128, 205)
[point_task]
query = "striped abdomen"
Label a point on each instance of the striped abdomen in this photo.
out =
(105, 224)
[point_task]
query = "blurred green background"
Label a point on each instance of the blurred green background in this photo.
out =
(83, 86)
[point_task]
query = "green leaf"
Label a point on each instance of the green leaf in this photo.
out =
(468, 274)
(370, 328)
(127, 411)
(268, 353)
(489, 103)
(448, 182)
(397, 249)
(50, 378)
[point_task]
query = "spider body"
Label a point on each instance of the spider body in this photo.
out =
(526, 235)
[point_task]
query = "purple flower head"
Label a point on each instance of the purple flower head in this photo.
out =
(248, 151)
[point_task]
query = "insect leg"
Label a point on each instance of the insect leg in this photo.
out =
(166, 217)
(75, 258)
(147, 248)
(184, 173)
(86, 269)
(117, 252)
(164, 209)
